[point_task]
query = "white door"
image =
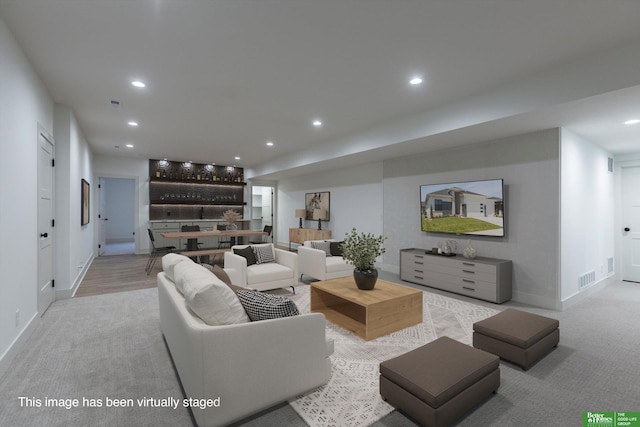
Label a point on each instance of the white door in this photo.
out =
(46, 293)
(631, 224)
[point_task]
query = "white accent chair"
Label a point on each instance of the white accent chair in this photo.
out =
(315, 263)
(282, 273)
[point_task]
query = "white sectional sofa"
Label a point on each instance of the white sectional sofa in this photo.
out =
(319, 263)
(242, 367)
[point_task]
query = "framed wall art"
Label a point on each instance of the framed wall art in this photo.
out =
(85, 203)
(317, 204)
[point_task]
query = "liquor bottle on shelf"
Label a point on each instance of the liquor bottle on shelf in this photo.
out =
(157, 172)
(164, 173)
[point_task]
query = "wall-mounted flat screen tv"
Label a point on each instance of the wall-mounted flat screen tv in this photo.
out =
(469, 207)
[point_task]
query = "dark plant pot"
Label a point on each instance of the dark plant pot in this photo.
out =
(365, 279)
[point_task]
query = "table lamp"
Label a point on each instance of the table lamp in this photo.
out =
(319, 214)
(301, 213)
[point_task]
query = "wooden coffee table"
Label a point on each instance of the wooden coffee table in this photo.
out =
(368, 314)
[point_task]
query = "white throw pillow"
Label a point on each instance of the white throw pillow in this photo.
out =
(208, 297)
(169, 262)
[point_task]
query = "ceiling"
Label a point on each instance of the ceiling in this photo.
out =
(226, 76)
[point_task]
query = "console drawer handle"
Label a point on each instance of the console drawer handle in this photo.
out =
(469, 263)
(468, 281)
(419, 256)
(418, 277)
(419, 263)
(419, 271)
(469, 271)
(468, 289)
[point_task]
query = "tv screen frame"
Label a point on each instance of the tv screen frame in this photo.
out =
(470, 208)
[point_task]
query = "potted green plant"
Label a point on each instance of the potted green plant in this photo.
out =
(361, 250)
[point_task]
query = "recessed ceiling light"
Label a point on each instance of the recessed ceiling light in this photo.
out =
(129, 145)
(415, 80)
(269, 144)
(138, 83)
(133, 124)
(237, 158)
(317, 123)
(632, 122)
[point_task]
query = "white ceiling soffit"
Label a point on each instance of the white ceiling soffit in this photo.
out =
(225, 77)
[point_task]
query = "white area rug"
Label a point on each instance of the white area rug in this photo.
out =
(351, 398)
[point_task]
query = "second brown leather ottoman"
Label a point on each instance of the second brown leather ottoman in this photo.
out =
(517, 336)
(439, 383)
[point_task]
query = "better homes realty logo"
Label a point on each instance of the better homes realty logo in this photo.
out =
(610, 419)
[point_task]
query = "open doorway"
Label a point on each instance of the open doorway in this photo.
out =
(261, 207)
(116, 216)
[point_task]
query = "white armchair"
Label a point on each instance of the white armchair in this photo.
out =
(282, 273)
(317, 264)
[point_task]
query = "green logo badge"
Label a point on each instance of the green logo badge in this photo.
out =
(611, 419)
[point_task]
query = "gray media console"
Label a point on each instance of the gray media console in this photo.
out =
(488, 279)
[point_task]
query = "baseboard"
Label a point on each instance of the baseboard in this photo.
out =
(18, 343)
(69, 293)
(586, 292)
(535, 300)
(121, 240)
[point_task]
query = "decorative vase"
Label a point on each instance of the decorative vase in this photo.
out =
(365, 279)
(232, 226)
(469, 251)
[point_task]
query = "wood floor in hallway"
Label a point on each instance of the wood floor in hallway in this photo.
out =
(117, 273)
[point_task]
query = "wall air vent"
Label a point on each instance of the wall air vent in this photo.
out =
(610, 164)
(586, 279)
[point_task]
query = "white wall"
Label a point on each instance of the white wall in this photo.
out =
(587, 212)
(138, 170)
(24, 102)
(74, 242)
(529, 166)
(355, 201)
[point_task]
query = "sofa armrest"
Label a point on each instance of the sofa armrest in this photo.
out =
(312, 262)
(288, 259)
(238, 264)
(234, 275)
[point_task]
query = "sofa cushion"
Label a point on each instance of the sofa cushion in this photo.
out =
(261, 306)
(335, 248)
(261, 273)
(208, 297)
(263, 253)
(247, 253)
(169, 261)
(321, 245)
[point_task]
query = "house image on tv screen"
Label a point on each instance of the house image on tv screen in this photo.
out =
(463, 208)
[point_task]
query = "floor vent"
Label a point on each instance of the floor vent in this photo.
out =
(586, 279)
(609, 265)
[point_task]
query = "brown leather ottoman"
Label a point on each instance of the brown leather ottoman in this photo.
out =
(438, 383)
(517, 336)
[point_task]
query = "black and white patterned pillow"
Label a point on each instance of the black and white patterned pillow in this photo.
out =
(261, 306)
(263, 254)
(323, 246)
